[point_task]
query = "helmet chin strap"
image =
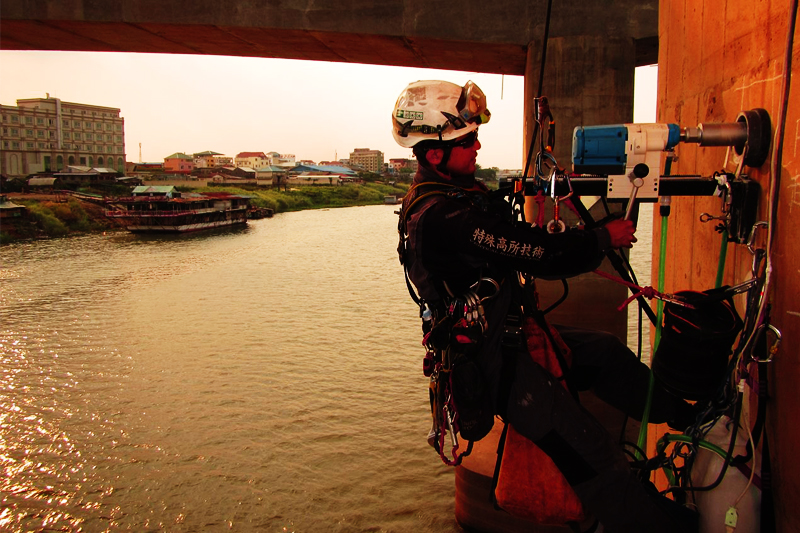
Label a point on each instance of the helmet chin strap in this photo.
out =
(458, 179)
(442, 166)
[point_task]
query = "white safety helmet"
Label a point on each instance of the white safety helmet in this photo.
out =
(435, 110)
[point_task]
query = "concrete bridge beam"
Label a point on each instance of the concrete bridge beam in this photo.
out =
(588, 81)
(467, 35)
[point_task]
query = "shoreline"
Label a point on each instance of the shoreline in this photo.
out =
(53, 215)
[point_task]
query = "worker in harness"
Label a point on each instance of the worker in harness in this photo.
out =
(462, 250)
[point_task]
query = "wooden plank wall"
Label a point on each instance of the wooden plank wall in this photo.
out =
(717, 58)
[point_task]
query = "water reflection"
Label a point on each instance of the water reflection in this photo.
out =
(265, 378)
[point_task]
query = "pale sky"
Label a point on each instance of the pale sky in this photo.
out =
(314, 110)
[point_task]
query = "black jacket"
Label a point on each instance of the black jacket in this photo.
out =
(457, 233)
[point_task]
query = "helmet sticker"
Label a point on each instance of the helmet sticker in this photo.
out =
(415, 94)
(413, 115)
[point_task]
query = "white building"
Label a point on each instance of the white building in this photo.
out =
(48, 135)
(251, 160)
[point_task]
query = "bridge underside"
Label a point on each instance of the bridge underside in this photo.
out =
(468, 35)
(405, 51)
(264, 42)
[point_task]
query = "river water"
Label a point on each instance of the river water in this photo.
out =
(261, 379)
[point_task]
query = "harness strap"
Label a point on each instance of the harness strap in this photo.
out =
(409, 202)
(566, 372)
(405, 211)
(501, 446)
(531, 303)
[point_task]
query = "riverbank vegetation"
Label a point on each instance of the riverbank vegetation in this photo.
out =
(316, 196)
(60, 215)
(54, 217)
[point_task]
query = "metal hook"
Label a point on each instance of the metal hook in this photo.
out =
(708, 217)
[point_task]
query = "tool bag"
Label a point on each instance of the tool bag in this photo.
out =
(692, 357)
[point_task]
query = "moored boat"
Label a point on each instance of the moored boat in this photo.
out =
(256, 213)
(163, 209)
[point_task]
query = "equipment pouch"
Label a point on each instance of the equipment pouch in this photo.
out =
(696, 343)
(472, 399)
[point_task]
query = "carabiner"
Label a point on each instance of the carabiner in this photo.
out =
(772, 349)
(557, 222)
(476, 286)
(752, 238)
(744, 286)
(675, 299)
(758, 253)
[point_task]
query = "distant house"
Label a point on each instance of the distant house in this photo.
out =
(156, 191)
(314, 179)
(245, 173)
(80, 175)
(251, 159)
(129, 180)
(43, 183)
(271, 175)
(207, 159)
(395, 164)
(144, 170)
(282, 160)
(9, 210)
(235, 176)
(317, 169)
(179, 163)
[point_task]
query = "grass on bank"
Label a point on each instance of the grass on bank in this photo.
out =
(54, 219)
(315, 196)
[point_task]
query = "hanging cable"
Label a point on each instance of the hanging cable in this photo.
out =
(775, 173)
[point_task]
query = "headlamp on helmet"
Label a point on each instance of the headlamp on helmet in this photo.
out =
(471, 104)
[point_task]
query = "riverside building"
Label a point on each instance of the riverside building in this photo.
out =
(369, 160)
(47, 135)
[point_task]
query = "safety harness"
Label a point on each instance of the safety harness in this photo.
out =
(453, 328)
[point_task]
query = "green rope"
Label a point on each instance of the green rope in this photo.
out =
(671, 437)
(723, 251)
(641, 443)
